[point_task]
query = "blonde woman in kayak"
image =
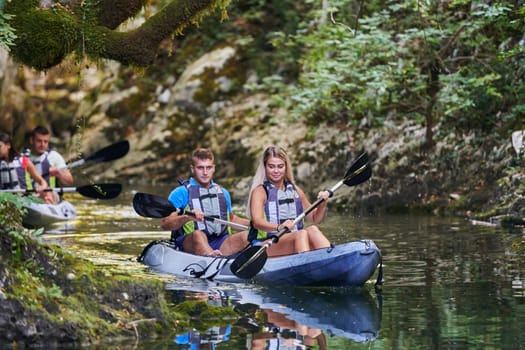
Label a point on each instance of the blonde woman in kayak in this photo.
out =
(275, 201)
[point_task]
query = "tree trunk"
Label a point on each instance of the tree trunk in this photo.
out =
(432, 91)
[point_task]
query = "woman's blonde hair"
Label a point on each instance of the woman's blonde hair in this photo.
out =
(260, 173)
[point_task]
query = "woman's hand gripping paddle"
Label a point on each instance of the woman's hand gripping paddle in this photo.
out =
(252, 260)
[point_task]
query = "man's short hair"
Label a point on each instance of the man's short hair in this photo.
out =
(202, 154)
(42, 130)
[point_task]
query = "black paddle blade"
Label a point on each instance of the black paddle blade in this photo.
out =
(111, 152)
(152, 206)
(100, 191)
(359, 172)
(361, 160)
(359, 176)
(249, 262)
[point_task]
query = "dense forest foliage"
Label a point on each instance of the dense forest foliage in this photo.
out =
(454, 68)
(454, 65)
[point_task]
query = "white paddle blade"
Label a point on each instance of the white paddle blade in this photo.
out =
(517, 141)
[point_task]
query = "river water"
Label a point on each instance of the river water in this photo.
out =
(448, 284)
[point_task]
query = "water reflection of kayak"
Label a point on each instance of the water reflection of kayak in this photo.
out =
(344, 312)
(212, 336)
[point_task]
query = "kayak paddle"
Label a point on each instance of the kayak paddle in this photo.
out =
(106, 154)
(251, 261)
(153, 206)
(96, 191)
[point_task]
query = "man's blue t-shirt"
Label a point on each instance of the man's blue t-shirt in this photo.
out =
(179, 197)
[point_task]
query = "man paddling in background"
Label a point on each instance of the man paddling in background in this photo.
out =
(204, 197)
(50, 164)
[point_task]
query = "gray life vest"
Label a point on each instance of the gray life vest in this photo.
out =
(282, 205)
(212, 202)
(12, 175)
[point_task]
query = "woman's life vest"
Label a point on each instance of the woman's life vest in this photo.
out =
(212, 202)
(12, 175)
(280, 206)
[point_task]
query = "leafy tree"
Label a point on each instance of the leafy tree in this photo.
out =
(7, 35)
(456, 64)
(48, 31)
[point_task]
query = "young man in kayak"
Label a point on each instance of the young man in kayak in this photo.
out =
(13, 169)
(203, 196)
(275, 201)
(49, 163)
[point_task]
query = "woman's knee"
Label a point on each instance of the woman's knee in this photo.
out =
(300, 234)
(313, 230)
(302, 242)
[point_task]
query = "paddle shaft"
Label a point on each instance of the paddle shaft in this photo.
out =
(157, 207)
(211, 218)
(58, 189)
(96, 191)
(76, 163)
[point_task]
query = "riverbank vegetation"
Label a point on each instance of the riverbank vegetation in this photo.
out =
(48, 296)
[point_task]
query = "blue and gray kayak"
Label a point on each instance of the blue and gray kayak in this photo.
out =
(350, 264)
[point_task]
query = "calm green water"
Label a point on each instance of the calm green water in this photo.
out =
(447, 285)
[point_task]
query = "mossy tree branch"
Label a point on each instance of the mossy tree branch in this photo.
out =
(87, 28)
(112, 13)
(140, 45)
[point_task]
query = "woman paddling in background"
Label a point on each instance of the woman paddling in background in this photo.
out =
(275, 201)
(13, 167)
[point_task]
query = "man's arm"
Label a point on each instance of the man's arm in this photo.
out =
(174, 221)
(64, 175)
(59, 168)
(179, 198)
